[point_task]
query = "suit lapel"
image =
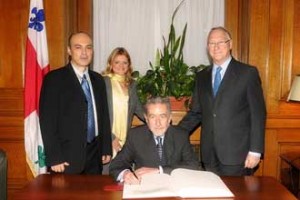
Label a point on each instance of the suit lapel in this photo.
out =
(150, 145)
(96, 89)
(130, 103)
(168, 147)
(74, 79)
(207, 83)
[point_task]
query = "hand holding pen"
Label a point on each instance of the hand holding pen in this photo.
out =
(135, 176)
(130, 177)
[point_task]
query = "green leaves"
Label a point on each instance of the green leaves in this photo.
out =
(170, 75)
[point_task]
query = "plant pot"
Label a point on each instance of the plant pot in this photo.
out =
(179, 104)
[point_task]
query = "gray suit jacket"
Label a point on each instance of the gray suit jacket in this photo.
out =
(134, 105)
(140, 149)
(233, 123)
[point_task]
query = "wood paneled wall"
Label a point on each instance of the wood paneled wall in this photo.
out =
(265, 34)
(62, 18)
(12, 40)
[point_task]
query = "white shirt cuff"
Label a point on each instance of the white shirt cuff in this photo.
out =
(255, 154)
(121, 175)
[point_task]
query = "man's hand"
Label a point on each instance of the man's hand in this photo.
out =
(146, 170)
(106, 159)
(131, 178)
(251, 161)
(60, 167)
(116, 145)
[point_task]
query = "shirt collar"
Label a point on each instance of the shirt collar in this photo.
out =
(224, 65)
(80, 74)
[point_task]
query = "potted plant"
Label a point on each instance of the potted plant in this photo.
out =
(170, 75)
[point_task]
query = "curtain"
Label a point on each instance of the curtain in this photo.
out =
(139, 25)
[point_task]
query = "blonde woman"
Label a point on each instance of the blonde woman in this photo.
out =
(123, 102)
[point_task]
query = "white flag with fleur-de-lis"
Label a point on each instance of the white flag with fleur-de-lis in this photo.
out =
(36, 66)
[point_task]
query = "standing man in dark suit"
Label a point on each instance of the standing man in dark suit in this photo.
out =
(229, 105)
(156, 147)
(74, 115)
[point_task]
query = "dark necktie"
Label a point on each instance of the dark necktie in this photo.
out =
(159, 147)
(217, 80)
(90, 111)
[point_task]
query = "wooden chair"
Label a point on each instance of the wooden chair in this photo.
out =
(290, 171)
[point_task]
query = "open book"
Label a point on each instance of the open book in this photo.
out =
(181, 183)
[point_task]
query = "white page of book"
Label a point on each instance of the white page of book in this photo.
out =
(181, 183)
(152, 185)
(192, 183)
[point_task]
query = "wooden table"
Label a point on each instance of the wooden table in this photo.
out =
(92, 187)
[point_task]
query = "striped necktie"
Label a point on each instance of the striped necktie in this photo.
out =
(90, 110)
(159, 147)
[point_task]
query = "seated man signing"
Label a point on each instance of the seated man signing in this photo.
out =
(157, 147)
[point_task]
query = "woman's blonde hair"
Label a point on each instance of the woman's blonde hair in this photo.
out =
(117, 52)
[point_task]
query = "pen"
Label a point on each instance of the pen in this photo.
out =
(134, 174)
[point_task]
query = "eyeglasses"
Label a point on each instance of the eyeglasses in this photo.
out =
(219, 44)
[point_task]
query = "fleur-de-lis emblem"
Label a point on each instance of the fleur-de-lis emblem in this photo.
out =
(36, 21)
(41, 157)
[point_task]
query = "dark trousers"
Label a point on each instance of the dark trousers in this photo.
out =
(218, 168)
(93, 163)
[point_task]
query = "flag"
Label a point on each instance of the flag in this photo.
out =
(36, 66)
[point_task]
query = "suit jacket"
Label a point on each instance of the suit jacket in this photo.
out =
(140, 149)
(233, 122)
(134, 105)
(63, 112)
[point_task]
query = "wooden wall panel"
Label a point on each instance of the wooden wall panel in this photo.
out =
(296, 39)
(238, 25)
(11, 48)
(279, 141)
(282, 133)
(232, 8)
(12, 137)
(13, 26)
(58, 28)
(259, 40)
(274, 26)
(287, 48)
(274, 68)
(85, 16)
(61, 20)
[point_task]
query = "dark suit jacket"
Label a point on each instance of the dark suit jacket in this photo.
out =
(233, 123)
(140, 149)
(134, 105)
(63, 111)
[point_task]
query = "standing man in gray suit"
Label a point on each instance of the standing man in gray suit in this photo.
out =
(157, 147)
(229, 105)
